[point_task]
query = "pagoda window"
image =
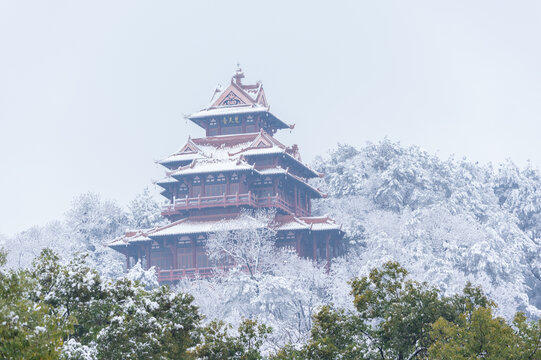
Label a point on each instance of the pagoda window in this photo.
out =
(183, 189)
(215, 189)
(234, 178)
(210, 179)
(221, 178)
(202, 258)
(213, 123)
(257, 182)
(197, 180)
(250, 119)
(290, 235)
(267, 181)
(184, 253)
(161, 257)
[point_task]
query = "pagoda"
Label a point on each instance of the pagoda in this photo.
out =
(210, 180)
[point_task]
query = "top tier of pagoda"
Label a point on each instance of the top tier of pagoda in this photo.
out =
(239, 163)
(238, 109)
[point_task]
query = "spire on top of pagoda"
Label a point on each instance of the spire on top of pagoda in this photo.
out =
(239, 94)
(238, 76)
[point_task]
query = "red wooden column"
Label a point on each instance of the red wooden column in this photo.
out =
(298, 247)
(314, 246)
(295, 196)
(147, 254)
(173, 248)
(327, 257)
(194, 252)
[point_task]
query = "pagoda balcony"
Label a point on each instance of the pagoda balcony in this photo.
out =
(193, 273)
(189, 273)
(248, 199)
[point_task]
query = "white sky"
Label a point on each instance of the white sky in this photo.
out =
(92, 93)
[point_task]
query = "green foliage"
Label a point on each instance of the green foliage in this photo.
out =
(28, 329)
(219, 344)
(397, 318)
(481, 335)
(334, 335)
(44, 307)
(397, 313)
(55, 311)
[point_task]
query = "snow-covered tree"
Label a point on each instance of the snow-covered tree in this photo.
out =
(114, 319)
(271, 285)
(144, 211)
(447, 221)
(251, 247)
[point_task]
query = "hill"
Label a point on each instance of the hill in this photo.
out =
(447, 221)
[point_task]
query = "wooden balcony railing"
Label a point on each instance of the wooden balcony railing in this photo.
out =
(179, 274)
(248, 199)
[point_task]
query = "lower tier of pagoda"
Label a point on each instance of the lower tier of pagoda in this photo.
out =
(177, 250)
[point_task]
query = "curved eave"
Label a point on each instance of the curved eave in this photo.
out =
(304, 166)
(311, 172)
(313, 190)
(174, 163)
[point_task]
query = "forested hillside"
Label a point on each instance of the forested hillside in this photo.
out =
(448, 222)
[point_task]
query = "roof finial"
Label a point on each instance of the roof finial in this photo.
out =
(239, 75)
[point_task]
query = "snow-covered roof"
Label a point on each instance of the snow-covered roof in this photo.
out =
(253, 91)
(189, 227)
(272, 171)
(205, 166)
(226, 152)
(128, 238)
(179, 158)
(166, 180)
(229, 110)
(186, 227)
(292, 223)
(215, 147)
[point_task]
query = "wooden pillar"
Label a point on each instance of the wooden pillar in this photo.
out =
(148, 251)
(127, 261)
(298, 247)
(194, 252)
(174, 254)
(295, 196)
(327, 257)
(314, 246)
